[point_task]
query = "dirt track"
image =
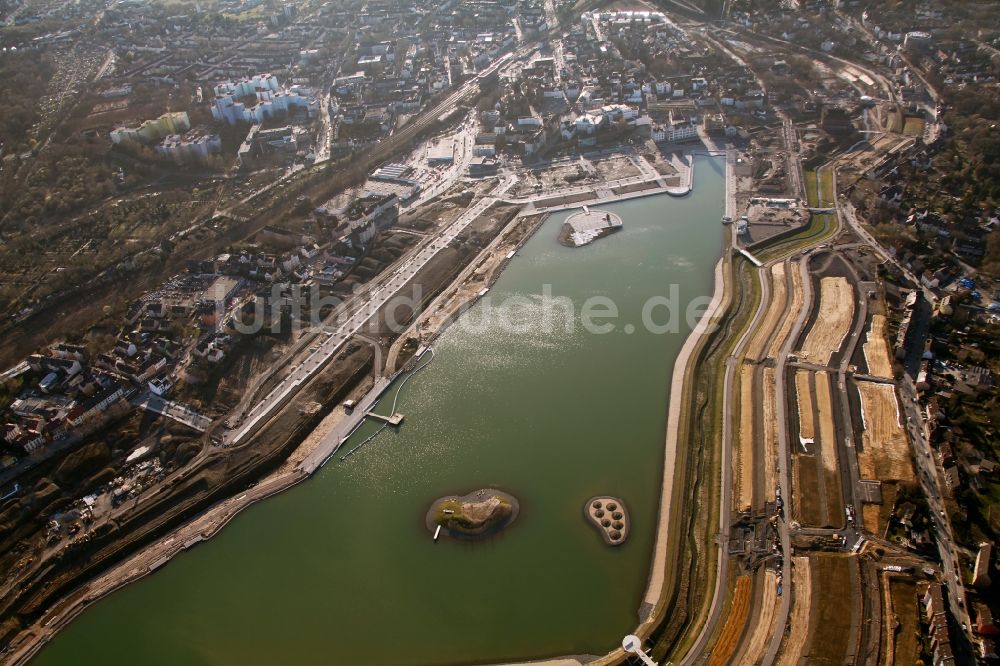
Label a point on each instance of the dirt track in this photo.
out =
(833, 320)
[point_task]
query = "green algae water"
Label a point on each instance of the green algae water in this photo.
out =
(342, 570)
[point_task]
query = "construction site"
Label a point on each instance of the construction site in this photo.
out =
(817, 455)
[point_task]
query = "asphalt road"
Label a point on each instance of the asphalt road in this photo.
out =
(934, 491)
(340, 333)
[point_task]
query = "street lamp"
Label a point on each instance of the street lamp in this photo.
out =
(632, 644)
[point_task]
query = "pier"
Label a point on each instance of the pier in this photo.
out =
(393, 420)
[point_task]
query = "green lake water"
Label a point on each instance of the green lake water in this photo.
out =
(342, 570)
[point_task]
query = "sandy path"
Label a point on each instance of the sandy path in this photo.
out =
(833, 320)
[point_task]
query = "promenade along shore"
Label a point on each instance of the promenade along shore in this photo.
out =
(336, 548)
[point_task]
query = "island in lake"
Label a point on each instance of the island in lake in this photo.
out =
(610, 517)
(479, 514)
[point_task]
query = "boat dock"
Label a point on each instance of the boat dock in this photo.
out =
(393, 420)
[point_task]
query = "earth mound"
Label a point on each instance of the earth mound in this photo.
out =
(479, 514)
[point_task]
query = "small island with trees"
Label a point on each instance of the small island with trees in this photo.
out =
(610, 517)
(477, 515)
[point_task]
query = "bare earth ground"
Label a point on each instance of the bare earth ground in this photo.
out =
(870, 518)
(886, 452)
(745, 454)
(833, 320)
(906, 647)
(730, 637)
(775, 311)
(828, 450)
(663, 166)
(807, 508)
(616, 167)
(799, 618)
(803, 393)
(324, 428)
(831, 610)
(827, 436)
(770, 436)
(877, 349)
(549, 179)
(761, 634)
(790, 314)
(817, 491)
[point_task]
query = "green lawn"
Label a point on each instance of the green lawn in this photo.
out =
(820, 227)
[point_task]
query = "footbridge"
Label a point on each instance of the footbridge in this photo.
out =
(752, 259)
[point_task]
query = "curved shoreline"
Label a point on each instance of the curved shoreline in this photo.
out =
(36, 636)
(678, 392)
(651, 608)
(30, 640)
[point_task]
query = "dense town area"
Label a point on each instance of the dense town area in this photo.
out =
(222, 222)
